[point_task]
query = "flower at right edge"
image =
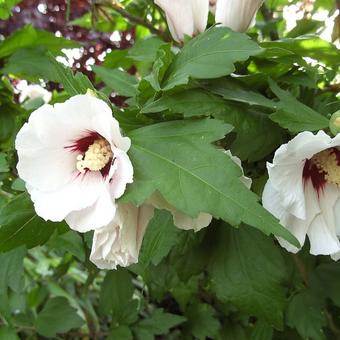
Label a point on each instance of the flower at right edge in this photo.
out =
(303, 191)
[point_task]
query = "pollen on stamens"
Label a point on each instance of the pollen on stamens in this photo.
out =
(97, 156)
(328, 163)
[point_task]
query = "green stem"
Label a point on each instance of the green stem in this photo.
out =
(268, 17)
(301, 268)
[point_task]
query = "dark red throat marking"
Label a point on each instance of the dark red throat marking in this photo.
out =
(82, 144)
(312, 172)
(317, 176)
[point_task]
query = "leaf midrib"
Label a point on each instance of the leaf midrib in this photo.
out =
(195, 176)
(19, 230)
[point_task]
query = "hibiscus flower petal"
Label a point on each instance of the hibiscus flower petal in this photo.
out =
(123, 173)
(43, 162)
(80, 193)
(286, 170)
(179, 17)
(95, 216)
(322, 231)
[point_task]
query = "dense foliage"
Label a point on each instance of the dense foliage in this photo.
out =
(179, 104)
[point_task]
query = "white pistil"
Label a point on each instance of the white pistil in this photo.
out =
(96, 157)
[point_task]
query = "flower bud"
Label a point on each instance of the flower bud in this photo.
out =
(92, 93)
(237, 14)
(185, 17)
(334, 123)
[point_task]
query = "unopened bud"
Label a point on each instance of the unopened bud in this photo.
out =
(334, 123)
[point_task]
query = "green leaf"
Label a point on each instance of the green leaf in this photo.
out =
(57, 317)
(6, 10)
(262, 331)
(304, 26)
(29, 37)
(211, 54)
(116, 296)
(159, 323)
(146, 49)
(7, 123)
(163, 58)
(3, 163)
(11, 278)
(232, 330)
(31, 63)
(293, 115)
(12, 270)
(202, 322)
(70, 242)
(73, 84)
(231, 90)
(121, 332)
(305, 313)
(18, 185)
(19, 225)
(308, 46)
(189, 169)
(121, 82)
(326, 278)
(256, 135)
(248, 271)
(8, 112)
(8, 333)
(190, 103)
(160, 237)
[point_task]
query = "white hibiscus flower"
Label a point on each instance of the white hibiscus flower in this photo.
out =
(185, 17)
(303, 191)
(73, 159)
(32, 92)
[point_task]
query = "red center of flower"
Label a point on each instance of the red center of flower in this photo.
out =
(93, 153)
(322, 168)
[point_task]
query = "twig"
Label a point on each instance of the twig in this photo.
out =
(135, 20)
(5, 194)
(301, 268)
(332, 88)
(334, 328)
(268, 17)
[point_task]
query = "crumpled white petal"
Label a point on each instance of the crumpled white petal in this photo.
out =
(244, 179)
(236, 14)
(185, 17)
(296, 203)
(181, 220)
(322, 231)
(118, 243)
(48, 164)
(95, 216)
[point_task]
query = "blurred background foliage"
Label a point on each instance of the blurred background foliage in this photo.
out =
(186, 285)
